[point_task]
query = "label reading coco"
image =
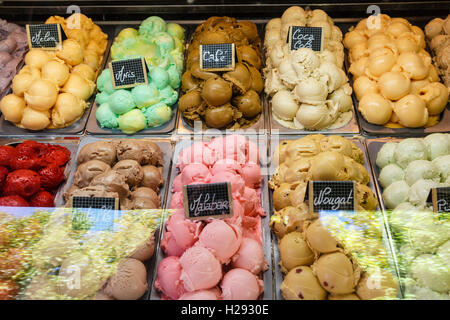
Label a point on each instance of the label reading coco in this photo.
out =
(44, 36)
(331, 195)
(217, 57)
(128, 73)
(203, 201)
(305, 37)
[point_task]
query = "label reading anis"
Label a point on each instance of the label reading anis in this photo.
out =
(128, 73)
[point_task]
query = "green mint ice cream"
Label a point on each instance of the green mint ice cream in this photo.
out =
(102, 97)
(106, 117)
(159, 77)
(158, 114)
(121, 101)
(145, 95)
(104, 82)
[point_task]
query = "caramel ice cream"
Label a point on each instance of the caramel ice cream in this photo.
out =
(309, 89)
(393, 76)
(437, 33)
(226, 99)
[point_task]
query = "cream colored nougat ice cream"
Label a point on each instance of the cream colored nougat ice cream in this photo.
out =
(322, 257)
(52, 89)
(437, 32)
(225, 256)
(225, 99)
(393, 76)
(308, 89)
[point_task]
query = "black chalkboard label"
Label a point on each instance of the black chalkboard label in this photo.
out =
(305, 37)
(44, 36)
(217, 57)
(331, 195)
(128, 73)
(94, 203)
(440, 198)
(204, 201)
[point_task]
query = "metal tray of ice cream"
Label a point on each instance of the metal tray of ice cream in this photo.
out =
(93, 126)
(259, 127)
(77, 128)
(70, 144)
(376, 130)
(266, 241)
(167, 150)
(350, 128)
(386, 236)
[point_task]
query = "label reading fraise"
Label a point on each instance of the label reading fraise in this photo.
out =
(212, 200)
(128, 73)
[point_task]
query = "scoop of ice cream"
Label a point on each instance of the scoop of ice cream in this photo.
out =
(12, 107)
(421, 169)
(211, 294)
(250, 256)
(443, 163)
(91, 191)
(146, 250)
(113, 181)
(181, 234)
(437, 144)
(222, 239)
(147, 193)
(395, 193)
(129, 282)
(301, 284)
(100, 150)
(377, 285)
(143, 151)
(336, 273)
(152, 177)
(294, 251)
(390, 174)
(430, 271)
(88, 171)
(200, 269)
(409, 150)
(131, 170)
(386, 154)
(320, 239)
(168, 278)
(240, 284)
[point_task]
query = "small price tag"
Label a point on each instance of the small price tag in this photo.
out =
(305, 37)
(331, 196)
(128, 73)
(440, 198)
(217, 57)
(44, 36)
(204, 201)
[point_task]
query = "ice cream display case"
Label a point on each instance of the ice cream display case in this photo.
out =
(420, 236)
(364, 109)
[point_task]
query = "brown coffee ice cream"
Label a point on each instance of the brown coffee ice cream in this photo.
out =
(142, 151)
(132, 171)
(88, 171)
(152, 177)
(223, 99)
(100, 150)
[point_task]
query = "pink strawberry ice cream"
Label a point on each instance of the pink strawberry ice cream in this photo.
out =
(221, 238)
(207, 248)
(250, 257)
(168, 281)
(181, 234)
(211, 294)
(200, 269)
(240, 284)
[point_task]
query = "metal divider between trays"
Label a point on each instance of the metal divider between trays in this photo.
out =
(267, 245)
(8, 129)
(386, 236)
(166, 147)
